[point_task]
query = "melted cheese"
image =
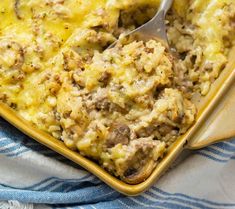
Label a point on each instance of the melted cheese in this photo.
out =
(42, 29)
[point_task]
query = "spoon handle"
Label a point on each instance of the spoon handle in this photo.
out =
(165, 6)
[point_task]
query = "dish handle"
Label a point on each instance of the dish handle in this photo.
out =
(219, 126)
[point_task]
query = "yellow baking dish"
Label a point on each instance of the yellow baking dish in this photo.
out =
(215, 110)
(215, 122)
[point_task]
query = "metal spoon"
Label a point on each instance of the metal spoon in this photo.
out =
(154, 29)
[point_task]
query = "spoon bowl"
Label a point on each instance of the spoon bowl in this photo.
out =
(153, 29)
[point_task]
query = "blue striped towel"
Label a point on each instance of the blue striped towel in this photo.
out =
(33, 176)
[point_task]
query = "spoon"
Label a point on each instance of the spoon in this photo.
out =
(154, 29)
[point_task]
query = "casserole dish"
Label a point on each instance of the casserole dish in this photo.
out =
(215, 110)
(206, 107)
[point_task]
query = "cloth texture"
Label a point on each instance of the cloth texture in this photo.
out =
(32, 176)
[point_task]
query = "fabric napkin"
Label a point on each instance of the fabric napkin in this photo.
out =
(32, 176)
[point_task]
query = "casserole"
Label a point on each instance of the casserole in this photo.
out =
(203, 106)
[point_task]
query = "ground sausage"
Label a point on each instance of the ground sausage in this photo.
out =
(119, 133)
